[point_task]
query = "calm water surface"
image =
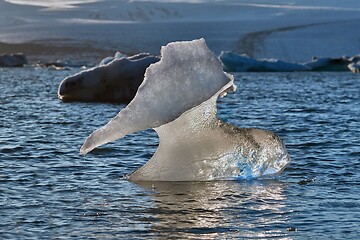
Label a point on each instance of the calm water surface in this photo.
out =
(47, 190)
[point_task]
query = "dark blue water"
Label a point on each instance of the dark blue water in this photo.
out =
(47, 190)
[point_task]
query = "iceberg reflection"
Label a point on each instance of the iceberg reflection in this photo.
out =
(218, 209)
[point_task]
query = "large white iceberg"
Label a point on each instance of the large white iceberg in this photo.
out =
(178, 99)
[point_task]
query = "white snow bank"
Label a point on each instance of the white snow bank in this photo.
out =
(292, 30)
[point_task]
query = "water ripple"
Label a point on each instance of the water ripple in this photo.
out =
(47, 190)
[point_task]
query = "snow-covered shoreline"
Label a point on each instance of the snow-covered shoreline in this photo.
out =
(283, 29)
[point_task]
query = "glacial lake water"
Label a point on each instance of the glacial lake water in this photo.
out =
(49, 191)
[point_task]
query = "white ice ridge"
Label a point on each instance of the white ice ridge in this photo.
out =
(178, 99)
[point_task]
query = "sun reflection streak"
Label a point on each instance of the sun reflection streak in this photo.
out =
(206, 210)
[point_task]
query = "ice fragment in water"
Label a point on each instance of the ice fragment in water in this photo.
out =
(115, 80)
(178, 99)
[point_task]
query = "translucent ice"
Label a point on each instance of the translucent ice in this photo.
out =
(178, 99)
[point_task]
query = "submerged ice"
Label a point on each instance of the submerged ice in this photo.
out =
(178, 99)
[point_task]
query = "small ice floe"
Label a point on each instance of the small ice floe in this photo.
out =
(329, 64)
(354, 67)
(115, 80)
(178, 99)
(233, 62)
(13, 60)
(64, 64)
(107, 60)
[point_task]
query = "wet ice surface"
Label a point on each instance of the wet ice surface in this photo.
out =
(177, 99)
(47, 190)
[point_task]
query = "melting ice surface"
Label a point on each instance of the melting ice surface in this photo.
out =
(178, 99)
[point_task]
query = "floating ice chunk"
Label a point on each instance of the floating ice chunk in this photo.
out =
(115, 80)
(64, 64)
(187, 75)
(178, 99)
(198, 146)
(354, 67)
(13, 60)
(233, 62)
(107, 60)
(329, 64)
